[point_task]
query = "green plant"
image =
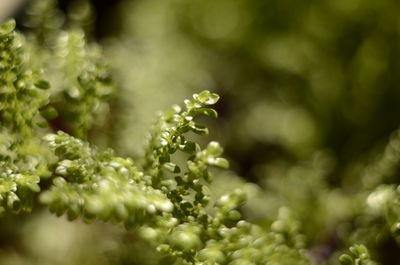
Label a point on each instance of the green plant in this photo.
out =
(167, 202)
(302, 118)
(359, 256)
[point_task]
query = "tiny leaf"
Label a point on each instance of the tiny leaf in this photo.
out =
(42, 84)
(208, 98)
(7, 27)
(172, 167)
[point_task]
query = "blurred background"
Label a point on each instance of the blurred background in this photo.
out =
(310, 97)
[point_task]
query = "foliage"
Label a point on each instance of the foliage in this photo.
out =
(170, 210)
(308, 92)
(23, 98)
(359, 256)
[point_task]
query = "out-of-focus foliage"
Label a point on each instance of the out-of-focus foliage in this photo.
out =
(75, 67)
(22, 158)
(359, 255)
(308, 119)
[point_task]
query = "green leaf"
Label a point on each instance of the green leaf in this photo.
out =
(207, 112)
(49, 113)
(214, 149)
(7, 27)
(172, 167)
(345, 259)
(207, 98)
(42, 84)
(164, 158)
(189, 147)
(219, 162)
(199, 129)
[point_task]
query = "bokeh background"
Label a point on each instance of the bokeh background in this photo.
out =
(310, 98)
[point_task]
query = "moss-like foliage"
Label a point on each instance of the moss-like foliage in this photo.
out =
(301, 118)
(359, 255)
(166, 202)
(23, 97)
(169, 208)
